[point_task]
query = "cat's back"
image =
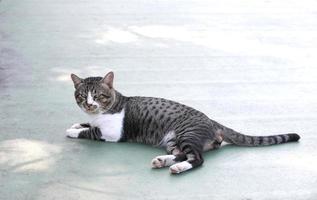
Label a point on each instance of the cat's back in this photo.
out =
(162, 109)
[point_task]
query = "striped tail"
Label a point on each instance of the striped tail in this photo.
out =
(234, 137)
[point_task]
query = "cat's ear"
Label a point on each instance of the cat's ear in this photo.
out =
(76, 80)
(108, 80)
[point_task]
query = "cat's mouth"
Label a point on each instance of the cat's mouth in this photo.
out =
(91, 109)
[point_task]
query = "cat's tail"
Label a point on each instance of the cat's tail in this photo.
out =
(231, 136)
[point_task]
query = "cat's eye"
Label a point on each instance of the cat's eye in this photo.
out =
(81, 96)
(105, 96)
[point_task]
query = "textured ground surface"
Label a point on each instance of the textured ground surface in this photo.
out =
(251, 66)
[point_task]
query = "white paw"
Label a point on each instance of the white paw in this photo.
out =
(163, 161)
(73, 133)
(76, 126)
(180, 167)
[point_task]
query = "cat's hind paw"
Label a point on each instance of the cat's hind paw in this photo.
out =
(74, 133)
(180, 167)
(163, 161)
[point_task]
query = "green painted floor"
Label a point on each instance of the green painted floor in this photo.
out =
(250, 65)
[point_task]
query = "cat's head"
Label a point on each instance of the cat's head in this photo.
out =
(94, 95)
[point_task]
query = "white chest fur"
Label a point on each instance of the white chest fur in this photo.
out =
(110, 125)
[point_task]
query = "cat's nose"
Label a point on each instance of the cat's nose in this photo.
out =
(91, 106)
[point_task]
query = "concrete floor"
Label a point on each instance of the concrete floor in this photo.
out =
(250, 65)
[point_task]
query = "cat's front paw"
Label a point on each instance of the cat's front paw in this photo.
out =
(74, 132)
(76, 126)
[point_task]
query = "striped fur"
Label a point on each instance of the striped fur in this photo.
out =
(181, 130)
(234, 137)
(93, 133)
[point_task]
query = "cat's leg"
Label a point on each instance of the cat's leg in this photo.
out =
(80, 126)
(174, 155)
(92, 133)
(193, 158)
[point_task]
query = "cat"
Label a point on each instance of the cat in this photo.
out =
(184, 132)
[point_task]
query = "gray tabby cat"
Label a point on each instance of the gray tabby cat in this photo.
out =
(184, 132)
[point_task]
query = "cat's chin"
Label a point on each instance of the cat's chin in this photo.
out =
(92, 112)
